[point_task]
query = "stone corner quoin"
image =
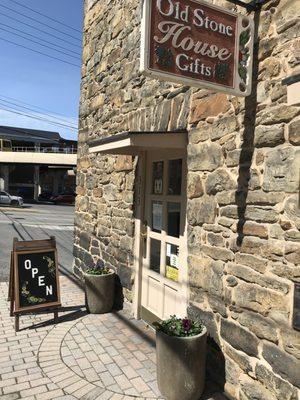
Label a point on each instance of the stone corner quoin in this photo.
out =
(243, 215)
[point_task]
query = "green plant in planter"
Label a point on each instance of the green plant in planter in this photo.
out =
(99, 288)
(180, 355)
(98, 269)
(180, 327)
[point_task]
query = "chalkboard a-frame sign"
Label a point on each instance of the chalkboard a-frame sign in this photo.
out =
(34, 280)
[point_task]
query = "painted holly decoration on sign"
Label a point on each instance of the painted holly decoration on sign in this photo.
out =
(244, 54)
(164, 56)
(222, 71)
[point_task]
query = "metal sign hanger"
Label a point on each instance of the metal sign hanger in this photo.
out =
(253, 5)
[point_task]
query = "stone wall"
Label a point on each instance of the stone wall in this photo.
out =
(243, 184)
(115, 98)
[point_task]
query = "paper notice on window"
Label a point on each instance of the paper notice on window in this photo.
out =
(172, 273)
(169, 250)
(157, 216)
(158, 186)
(174, 261)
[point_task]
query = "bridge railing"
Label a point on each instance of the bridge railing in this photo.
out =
(57, 150)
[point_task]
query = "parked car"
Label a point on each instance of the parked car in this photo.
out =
(6, 198)
(63, 198)
(26, 193)
(5, 145)
(45, 196)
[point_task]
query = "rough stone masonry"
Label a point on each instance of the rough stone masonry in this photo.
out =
(243, 187)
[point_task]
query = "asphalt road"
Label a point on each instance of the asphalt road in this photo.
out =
(37, 221)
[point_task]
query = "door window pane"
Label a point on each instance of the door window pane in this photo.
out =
(173, 219)
(157, 177)
(157, 216)
(175, 177)
(172, 262)
(155, 255)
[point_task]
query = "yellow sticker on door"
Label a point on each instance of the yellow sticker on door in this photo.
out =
(172, 273)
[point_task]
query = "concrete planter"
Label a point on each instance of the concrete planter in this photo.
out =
(100, 292)
(181, 365)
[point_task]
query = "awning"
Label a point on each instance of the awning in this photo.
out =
(132, 143)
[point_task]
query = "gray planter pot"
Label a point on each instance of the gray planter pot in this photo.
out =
(181, 365)
(100, 292)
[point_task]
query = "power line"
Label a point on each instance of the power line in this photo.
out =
(40, 117)
(40, 30)
(35, 111)
(46, 16)
(39, 52)
(40, 44)
(39, 22)
(43, 40)
(34, 106)
(13, 111)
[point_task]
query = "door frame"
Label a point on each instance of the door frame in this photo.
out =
(140, 202)
(140, 179)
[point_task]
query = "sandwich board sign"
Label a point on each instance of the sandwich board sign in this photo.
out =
(197, 44)
(34, 279)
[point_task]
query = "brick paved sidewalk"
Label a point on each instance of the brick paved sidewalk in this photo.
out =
(87, 357)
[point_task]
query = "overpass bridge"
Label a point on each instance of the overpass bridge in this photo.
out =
(32, 161)
(28, 171)
(40, 156)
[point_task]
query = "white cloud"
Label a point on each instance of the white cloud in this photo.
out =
(20, 121)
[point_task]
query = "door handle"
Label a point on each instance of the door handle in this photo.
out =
(144, 230)
(144, 239)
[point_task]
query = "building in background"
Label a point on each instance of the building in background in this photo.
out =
(192, 196)
(35, 161)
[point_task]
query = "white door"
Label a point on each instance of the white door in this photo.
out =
(164, 267)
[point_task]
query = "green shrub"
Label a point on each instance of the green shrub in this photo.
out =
(181, 327)
(98, 269)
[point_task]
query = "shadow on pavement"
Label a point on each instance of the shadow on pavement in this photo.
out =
(79, 311)
(69, 275)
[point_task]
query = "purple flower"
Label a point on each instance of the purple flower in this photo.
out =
(100, 264)
(187, 324)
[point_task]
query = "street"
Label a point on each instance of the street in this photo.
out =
(37, 221)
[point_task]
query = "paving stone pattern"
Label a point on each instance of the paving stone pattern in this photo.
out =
(21, 376)
(104, 351)
(86, 357)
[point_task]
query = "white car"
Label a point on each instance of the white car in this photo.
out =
(9, 200)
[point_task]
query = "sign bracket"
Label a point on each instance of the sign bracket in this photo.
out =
(253, 5)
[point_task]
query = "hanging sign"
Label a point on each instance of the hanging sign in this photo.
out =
(197, 44)
(34, 280)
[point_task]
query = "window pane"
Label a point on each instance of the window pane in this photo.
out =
(296, 317)
(157, 177)
(157, 215)
(172, 262)
(173, 219)
(175, 177)
(155, 255)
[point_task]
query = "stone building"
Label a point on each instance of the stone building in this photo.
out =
(192, 196)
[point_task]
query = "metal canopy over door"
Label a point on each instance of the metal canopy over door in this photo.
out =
(164, 264)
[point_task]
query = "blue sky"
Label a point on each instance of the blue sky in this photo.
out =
(32, 78)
